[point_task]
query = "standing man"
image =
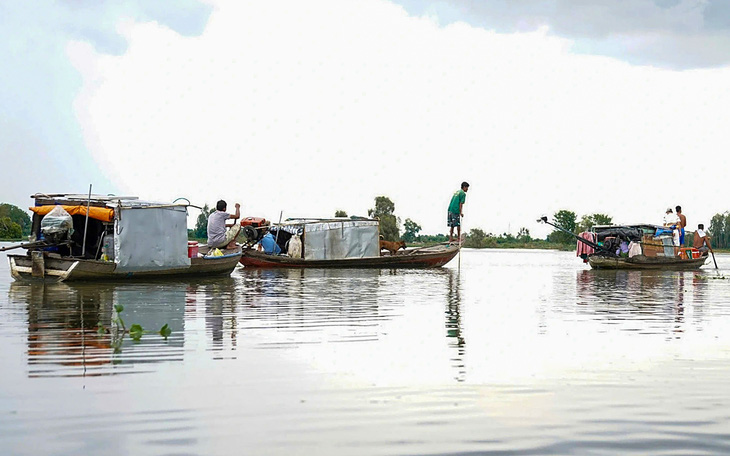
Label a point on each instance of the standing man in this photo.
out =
(456, 211)
(671, 221)
(218, 235)
(682, 224)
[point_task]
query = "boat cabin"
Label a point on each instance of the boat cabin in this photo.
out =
(136, 235)
(327, 239)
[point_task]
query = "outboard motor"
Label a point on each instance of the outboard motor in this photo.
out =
(57, 226)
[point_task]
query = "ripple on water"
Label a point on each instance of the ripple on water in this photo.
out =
(516, 352)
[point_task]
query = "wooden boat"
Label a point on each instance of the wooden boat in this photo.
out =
(655, 248)
(644, 262)
(425, 257)
(334, 243)
(94, 237)
(53, 267)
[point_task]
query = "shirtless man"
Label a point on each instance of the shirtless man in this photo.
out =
(701, 240)
(682, 224)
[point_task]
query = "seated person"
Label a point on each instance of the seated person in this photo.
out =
(268, 243)
(701, 240)
(218, 235)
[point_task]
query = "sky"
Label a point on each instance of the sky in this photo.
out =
(302, 108)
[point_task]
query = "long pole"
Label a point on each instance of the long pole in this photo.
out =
(459, 260)
(580, 239)
(278, 228)
(86, 223)
(713, 258)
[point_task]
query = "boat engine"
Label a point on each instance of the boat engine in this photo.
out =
(253, 228)
(57, 226)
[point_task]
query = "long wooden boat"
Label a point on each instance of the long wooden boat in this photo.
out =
(53, 268)
(425, 257)
(99, 237)
(644, 262)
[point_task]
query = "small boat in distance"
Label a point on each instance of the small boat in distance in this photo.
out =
(641, 246)
(97, 237)
(336, 243)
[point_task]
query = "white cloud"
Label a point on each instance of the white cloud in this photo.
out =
(308, 107)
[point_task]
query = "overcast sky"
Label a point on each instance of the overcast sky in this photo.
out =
(309, 107)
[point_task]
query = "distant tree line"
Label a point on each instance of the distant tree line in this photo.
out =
(14, 222)
(719, 230)
(568, 220)
(390, 228)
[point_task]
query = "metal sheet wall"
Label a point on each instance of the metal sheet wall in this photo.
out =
(151, 239)
(336, 240)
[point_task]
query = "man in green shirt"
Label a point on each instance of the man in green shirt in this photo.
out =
(456, 212)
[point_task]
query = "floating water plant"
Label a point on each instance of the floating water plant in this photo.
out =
(135, 331)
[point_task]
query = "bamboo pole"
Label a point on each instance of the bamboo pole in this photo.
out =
(86, 223)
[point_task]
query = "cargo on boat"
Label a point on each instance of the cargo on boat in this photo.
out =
(333, 243)
(636, 247)
(641, 246)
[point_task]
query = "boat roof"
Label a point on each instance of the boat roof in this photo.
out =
(638, 225)
(310, 220)
(74, 199)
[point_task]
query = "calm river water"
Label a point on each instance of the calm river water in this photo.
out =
(516, 352)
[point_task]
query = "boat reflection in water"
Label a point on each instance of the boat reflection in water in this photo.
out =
(63, 322)
(253, 309)
(307, 306)
(659, 297)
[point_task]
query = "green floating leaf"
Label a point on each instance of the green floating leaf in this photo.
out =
(100, 329)
(165, 331)
(135, 332)
(119, 308)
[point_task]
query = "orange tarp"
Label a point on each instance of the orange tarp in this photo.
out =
(99, 213)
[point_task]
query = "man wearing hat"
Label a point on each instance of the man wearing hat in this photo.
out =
(671, 221)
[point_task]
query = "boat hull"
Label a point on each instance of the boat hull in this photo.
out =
(644, 262)
(61, 269)
(417, 258)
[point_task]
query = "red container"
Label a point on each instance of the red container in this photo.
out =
(689, 253)
(253, 221)
(192, 249)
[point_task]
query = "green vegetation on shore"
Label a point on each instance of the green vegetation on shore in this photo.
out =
(719, 230)
(14, 223)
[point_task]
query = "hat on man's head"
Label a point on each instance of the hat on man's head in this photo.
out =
(669, 209)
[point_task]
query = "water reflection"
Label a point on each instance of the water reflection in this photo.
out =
(63, 322)
(561, 360)
(313, 305)
(454, 332)
(659, 298)
(258, 308)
